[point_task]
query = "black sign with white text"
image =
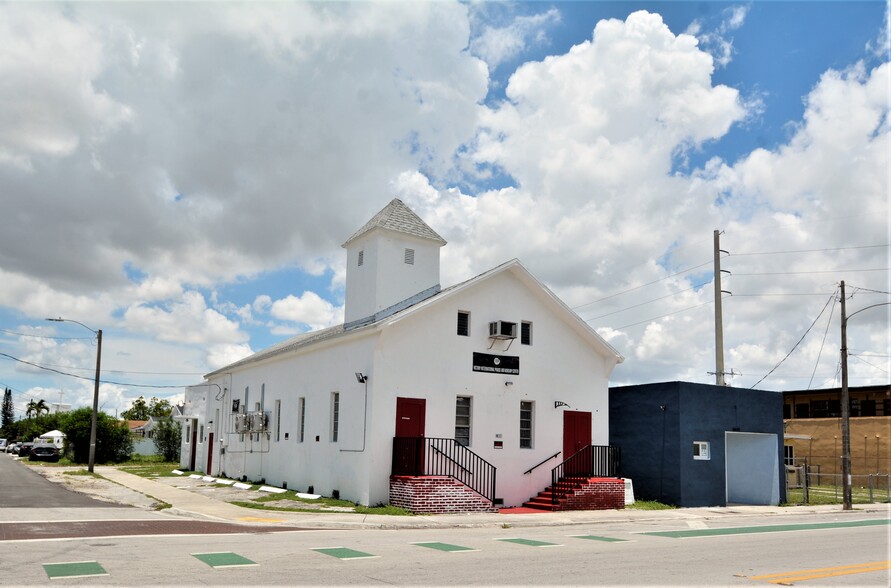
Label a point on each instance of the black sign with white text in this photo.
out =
(496, 364)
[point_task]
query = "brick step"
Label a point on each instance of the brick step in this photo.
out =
(539, 503)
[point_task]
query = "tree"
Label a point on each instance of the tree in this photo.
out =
(141, 410)
(40, 407)
(159, 408)
(7, 413)
(168, 437)
(30, 409)
(138, 411)
(113, 443)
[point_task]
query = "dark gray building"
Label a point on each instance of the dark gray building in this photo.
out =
(698, 444)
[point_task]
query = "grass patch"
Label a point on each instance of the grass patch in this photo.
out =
(273, 502)
(829, 494)
(150, 469)
(83, 472)
(650, 505)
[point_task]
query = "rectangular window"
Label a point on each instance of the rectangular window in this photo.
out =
(462, 420)
(188, 434)
(361, 257)
(201, 434)
(335, 416)
(301, 409)
(525, 425)
(410, 256)
(526, 333)
(701, 450)
(789, 455)
(278, 419)
(463, 323)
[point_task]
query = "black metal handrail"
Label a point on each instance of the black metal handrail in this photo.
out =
(590, 461)
(541, 463)
(437, 456)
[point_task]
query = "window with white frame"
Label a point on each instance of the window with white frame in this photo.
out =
(335, 416)
(526, 412)
(701, 450)
(301, 415)
(462, 420)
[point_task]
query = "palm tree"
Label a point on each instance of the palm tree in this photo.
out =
(41, 406)
(31, 409)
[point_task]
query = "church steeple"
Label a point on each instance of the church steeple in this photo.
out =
(392, 262)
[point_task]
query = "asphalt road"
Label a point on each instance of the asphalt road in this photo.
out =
(757, 550)
(22, 488)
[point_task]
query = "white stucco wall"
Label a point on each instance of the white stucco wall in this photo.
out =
(384, 278)
(417, 355)
(421, 356)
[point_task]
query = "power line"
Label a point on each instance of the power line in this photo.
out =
(641, 304)
(831, 298)
(804, 250)
(41, 336)
(642, 285)
(664, 315)
(837, 271)
(822, 344)
(49, 369)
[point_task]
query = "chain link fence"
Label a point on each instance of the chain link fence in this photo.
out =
(811, 486)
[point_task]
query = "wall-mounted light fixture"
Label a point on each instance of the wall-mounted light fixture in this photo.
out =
(559, 403)
(508, 383)
(361, 378)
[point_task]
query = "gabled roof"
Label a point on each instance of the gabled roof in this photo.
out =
(398, 217)
(514, 267)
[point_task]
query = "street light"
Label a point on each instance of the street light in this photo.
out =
(95, 387)
(847, 498)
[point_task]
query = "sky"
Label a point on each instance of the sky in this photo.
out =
(182, 176)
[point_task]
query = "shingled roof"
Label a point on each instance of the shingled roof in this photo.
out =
(396, 216)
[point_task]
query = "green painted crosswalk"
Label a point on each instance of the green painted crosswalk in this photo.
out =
(599, 538)
(688, 533)
(530, 542)
(344, 553)
(444, 546)
(74, 569)
(224, 559)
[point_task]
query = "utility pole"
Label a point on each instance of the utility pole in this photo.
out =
(719, 318)
(845, 409)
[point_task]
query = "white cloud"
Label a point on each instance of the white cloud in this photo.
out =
(189, 321)
(308, 309)
(495, 45)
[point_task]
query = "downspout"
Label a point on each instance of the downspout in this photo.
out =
(364, 420)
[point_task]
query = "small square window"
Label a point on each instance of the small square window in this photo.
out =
(701, 450)
(463, 323)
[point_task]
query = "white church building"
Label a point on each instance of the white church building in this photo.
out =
(436, 399)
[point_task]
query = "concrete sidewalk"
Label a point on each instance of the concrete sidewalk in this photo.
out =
(192, 504)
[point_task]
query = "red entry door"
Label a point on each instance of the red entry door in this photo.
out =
(410, 417)
(410, 420)
(576, 432)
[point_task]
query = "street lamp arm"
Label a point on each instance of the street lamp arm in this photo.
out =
(866, 308)
(62, 320)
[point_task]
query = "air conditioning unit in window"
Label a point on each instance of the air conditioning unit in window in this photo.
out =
(502, 330)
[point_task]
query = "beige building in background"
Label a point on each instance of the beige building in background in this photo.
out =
(814, 434)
